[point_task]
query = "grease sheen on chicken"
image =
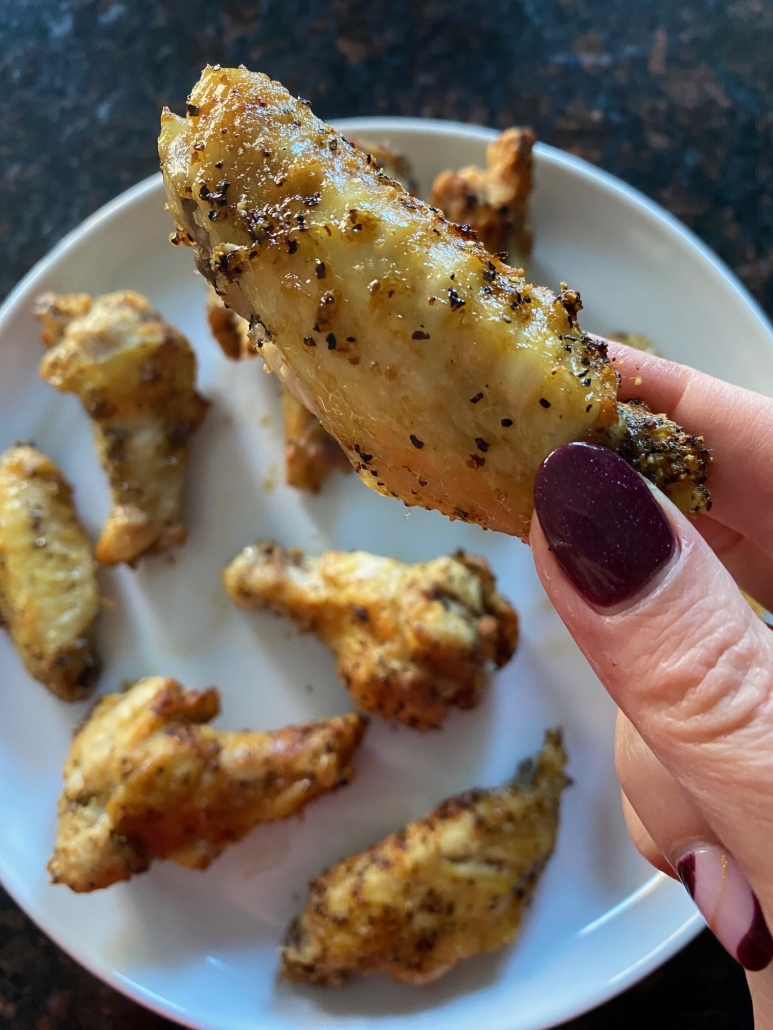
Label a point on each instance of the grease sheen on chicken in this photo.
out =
(49, 596)
(136, 377)
(446, 887)
(411, 640)
(145, 779)
(446, 377)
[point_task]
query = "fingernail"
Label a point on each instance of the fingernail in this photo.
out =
(602, 522)
(727, 903)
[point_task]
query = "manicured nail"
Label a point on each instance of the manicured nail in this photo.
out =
(727, 903)
(601, 521)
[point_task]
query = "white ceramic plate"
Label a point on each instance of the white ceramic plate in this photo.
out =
(201, 947)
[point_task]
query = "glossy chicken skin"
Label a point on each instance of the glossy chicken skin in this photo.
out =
(146, 778)
(411, 640)
(135, 375)
(446, 887)
(444, 375)
(494, 201)
(311, 453)
(49, 596)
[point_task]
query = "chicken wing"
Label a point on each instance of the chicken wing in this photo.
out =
(446, 887)
(493, 201)
(135, 376)
(49, 597)
(411, 640)
(229, 329)
(446, 378)
(146, 779)
(311, 453)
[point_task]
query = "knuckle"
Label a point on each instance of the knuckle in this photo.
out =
(718, 687)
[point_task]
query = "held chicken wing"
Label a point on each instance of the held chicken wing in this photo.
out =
(311, 453)
(493, 201)
(49, 597)
(446, 378)
(446, 887)
(411, 640)
(135, 376)
(147, 779)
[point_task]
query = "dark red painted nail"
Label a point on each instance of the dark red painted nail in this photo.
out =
(727, 903)
(602, 522)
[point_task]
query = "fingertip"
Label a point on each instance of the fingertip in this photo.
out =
(642, 840)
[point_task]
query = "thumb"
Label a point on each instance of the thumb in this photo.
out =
(670, 637)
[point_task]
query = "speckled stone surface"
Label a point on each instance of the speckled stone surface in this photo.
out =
(674, 96)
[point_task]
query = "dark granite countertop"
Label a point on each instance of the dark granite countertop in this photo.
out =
(674, 96)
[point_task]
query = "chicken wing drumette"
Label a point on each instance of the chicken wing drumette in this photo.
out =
(49, 597)
(494, 201)
(146, 779)
(446, 887)
(444, 375)
(411, 640)
(135, 375)
(311, 453)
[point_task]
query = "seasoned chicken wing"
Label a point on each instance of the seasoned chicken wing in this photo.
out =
(444, 375)
(446, 887)
(146, 779)
(135, 375)
(49, 597)
(494, 201)
(411, 640)
(311, 453)
(229, 329)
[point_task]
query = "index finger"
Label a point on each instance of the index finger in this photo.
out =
(736, 424)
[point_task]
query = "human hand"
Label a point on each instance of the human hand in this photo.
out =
(651, 598)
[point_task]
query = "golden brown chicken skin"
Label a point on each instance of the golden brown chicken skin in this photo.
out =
(411, 640)
(494, 201)
(444, 375)
(446, 887)
(49, 596)
(135, 375)
(146, 779)
(311, 453)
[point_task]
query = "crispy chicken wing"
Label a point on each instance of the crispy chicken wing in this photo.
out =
(135, 376)
(146, 779)
(411, 640)
(446, 887)
(311, 453)
(446, 378)
(49, 597)
(494, 201)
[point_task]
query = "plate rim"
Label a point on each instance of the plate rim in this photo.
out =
(692, 926)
